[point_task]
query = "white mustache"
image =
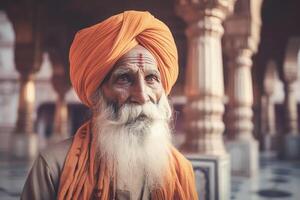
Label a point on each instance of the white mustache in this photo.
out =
(130, 113)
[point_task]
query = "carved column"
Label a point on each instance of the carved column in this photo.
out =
(26, 104)
(240, 94)
(240, 143)
(25, 141)
(268, 109)
(204, 89)
(292, 137)
(25, 18)
(58, 45)
(290, 76)
(61, 86)
(242, 32)
(290, 102)
(204, 85)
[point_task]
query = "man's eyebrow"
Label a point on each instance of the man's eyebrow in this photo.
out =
(121, 71)
(152, 71)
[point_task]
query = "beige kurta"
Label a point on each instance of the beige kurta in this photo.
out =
(43, 180)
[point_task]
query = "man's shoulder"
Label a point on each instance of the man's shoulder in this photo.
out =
(180, 159)
(55, 155)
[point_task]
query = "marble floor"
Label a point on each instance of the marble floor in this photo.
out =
(276, 180)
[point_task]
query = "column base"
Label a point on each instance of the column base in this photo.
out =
(24, 146)
(271, 146)
(292, 146)
(271, 143)
(244, 157)
(212, 174)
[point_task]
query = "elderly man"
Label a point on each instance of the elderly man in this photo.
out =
(122, 68)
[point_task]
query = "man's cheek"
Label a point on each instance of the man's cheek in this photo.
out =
(122, 97)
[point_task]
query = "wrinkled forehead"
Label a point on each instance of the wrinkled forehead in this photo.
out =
(138, 56)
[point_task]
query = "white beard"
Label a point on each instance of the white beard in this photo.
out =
(135, 142)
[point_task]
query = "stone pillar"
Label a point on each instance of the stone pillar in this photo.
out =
(204, 89)
(242, 32)
(58, 49)
(240, 143)
(240, 95)
(292, 138)
(26, 21)
(61, 86)
(24, 140)
(290, 102)
(268, 110)
(290, 76)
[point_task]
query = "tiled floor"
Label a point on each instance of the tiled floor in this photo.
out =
(13, 173)
(276, 180)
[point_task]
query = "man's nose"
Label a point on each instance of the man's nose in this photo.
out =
(139, 93)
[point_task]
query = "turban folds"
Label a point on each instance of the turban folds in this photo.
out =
(96, 49)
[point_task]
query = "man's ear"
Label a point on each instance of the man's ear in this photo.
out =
(96, 96)
(105, 80)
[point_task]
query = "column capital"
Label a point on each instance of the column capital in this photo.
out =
(194, 10)
(204, 17)
(27, 21)
(60, 77)
(290, 74)
(28, 58)
(239, 44)
(242, 28)
(270, 78)
(290, 64)
(60, 81)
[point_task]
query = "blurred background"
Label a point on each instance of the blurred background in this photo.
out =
(236, 113)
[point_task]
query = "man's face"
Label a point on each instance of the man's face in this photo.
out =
(131, 120)
(134, 79)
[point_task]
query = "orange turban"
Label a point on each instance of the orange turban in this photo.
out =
(96, 49)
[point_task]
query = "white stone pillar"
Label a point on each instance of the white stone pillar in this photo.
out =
(240, 95)
(26, 24)
(292, 138)
(204, 89)
(60, 125)
(240, 142)
(268, 109)
(61, 86)
(290, 77)
(290, 102)
(242, 32)
(24, 140)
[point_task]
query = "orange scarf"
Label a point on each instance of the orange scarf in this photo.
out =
(83, 179)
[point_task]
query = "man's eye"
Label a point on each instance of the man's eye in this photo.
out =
(123, 79)
(152, 78)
